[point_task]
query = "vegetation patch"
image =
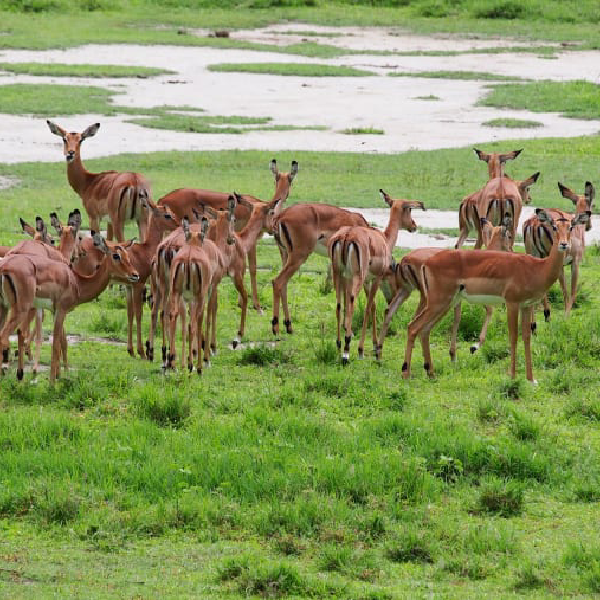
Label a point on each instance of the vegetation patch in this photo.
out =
(362, 131)
(503, 498)
(507, 123)
(577, 99)
(75, 70)
(464, 75)
(290, 69)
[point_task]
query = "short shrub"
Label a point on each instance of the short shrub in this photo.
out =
(502, 498)
(262, 356)
(472, 568)
(411, 546)
(165, 406)
(528, 578)
(523, 427)
(499, 9)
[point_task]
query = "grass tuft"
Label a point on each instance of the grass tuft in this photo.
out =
(502, 498)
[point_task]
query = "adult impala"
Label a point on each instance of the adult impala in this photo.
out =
(28, 281)
(468, 216)
(299, 231)
(360, 256)
(406, 277)
(538, 242)
(110, 193)
(184, 200)
(517, 280)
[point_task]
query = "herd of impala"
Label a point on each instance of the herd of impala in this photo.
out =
(191, 238)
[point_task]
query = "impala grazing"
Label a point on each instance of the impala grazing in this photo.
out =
(360, 256)
(538, 242)
(184, 200)
(485, 277)
(110, 193)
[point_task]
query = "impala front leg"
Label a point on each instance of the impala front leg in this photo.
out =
(574, 275)
(253, 284)
(512, 318)
(138, 307)
(369, 310)
(455, 326)
(526, 335)
(489, 311)
(129, 296)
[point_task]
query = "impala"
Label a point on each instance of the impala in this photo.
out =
(516, 280)
(222, 232)
(183, 201)
(182, 279)
(360, 256)
(110, 193)
(300, 230)
(28, 281)
(468, 216)
(405, 277)
(538, 242)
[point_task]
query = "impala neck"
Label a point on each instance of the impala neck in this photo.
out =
(553, 264)
(92, 286)
(252, 230)
(77, 174)
(392, 229)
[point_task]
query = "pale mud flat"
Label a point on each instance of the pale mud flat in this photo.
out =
(392, 104)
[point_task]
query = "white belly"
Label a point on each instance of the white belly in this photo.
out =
(481, 299)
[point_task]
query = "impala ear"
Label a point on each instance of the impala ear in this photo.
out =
(100, 242)
(185, 224)
(581, 218)
(294, 171)
(510, 155)
(55, 129)
(567, 193)
(543, 216)
(481, 155)
(90, 131)
(590, 193)
(386, 197)
(55, 222)
(273, 167)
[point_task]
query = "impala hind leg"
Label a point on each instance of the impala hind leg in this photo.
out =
(39, 317)
(238, 281)
(253, 284)
(370, 311)
(489, 311)
(574, 275)
(280, 282)
(401, 295)
(138, 310)
(129, 296)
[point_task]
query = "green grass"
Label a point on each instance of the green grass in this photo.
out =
(577, 99)
(464, 75)
(507, 123)
(279, 472)
(65, 70)
(362, 131)
(290, 69)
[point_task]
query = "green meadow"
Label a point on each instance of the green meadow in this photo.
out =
(280, 473)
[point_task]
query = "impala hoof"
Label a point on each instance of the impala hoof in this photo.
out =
(474, 348)
(361, 353)
(130, 352)
(547, 315)
(534, 328)
(288, 326)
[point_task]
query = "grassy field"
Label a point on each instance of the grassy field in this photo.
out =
(279, 473)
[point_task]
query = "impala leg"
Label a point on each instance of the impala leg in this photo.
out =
(182, 314)
(213, 326)
(63, 349)
(489, 311)
(129, 296)
(207, 326)
(59, 318)
(95, 226)
(253, 284)
(156, 301)
(20, 344)
(339, 291)
(138, 308)
(563, 287)
(426, 318)
(464, 233)
(574, 275)
(526, 335)
(172, 316)
(401, 295)
(200, 317)
(142, 223)
(238, 281)
(117, 227)
(109, 230)
(512, 317)
(280, 282)
(455, 326)
(39, 317)
(369, 310)
(192, 334)
(10, 323)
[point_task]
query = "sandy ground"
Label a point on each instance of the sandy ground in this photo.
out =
(393, 104)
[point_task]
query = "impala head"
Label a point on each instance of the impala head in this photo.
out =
(119, 263)
(402, 210)
(72, 141)
(525, 186)
(499, 237)
(496, 160)
(283, 181)
(583, 201)
(561, 228)
(41, 231)
(160, 216)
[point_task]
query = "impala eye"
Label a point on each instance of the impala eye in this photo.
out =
(116, 256)
(168, 216)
